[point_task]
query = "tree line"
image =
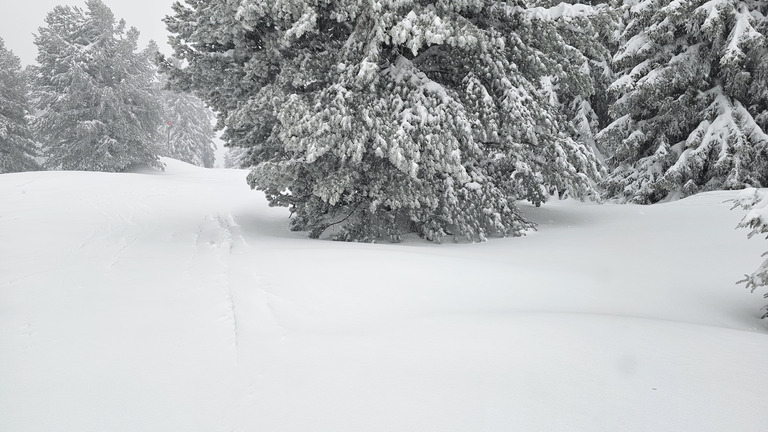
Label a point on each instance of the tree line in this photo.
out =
(94, 101)
(372, 119)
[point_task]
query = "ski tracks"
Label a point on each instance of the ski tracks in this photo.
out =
(233, 275)
(224, 260)
(211, 266)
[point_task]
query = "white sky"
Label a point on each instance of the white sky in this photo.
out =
(20, 20)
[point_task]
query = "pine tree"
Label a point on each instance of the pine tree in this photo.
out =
(374, 119)
(17, 147)
(99, 104)
(188, 129)
(690, 110)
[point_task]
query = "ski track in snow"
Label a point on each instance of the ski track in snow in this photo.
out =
(220, 254)
(214, 235)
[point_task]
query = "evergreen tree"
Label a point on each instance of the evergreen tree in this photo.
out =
(377, 118)
(690, 111)
(99, 105)
(188, 129)
(17, 148)
(234, 157)
(584, 43)
(757, 221)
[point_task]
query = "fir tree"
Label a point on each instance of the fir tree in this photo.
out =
(188, 129)
(756, 220)
(690, 110)
(376, 119)
(17, 148)
(580, 49)
(234, 157)
(98, 100)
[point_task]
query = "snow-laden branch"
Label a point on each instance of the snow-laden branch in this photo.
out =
(756, 219)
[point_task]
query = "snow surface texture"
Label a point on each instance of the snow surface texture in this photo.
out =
(178, 301)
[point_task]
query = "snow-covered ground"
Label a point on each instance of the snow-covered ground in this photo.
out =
(179, 301)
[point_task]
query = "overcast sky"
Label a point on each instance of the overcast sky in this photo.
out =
(20, 19)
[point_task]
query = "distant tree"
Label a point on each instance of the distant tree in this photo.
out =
(188, 130)
(691, 98)
(17, 147)
(377, 119)
(99, 105)
(234, 157)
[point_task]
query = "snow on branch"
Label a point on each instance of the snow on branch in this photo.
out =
(743, 34)
(756, 219)
(564, 11)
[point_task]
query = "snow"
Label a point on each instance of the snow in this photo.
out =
(637, 46)
(404, 69)
(562, 11)
(179, 301)
(757, 205)
(743, 34)
(758, 208)
(305, 24)
(712, 10)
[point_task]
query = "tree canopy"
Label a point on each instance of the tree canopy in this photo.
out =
(376, 118)
(17, 146)
(691, 98)
(96, 93)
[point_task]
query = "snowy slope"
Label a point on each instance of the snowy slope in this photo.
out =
(179, 301)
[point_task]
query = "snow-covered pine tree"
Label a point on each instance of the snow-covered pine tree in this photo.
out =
(690, 107)
(380, 118)
(17, 147)
(756, 220)
(188, 129)
(580, 55)
(99, 106)
(234, 157)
